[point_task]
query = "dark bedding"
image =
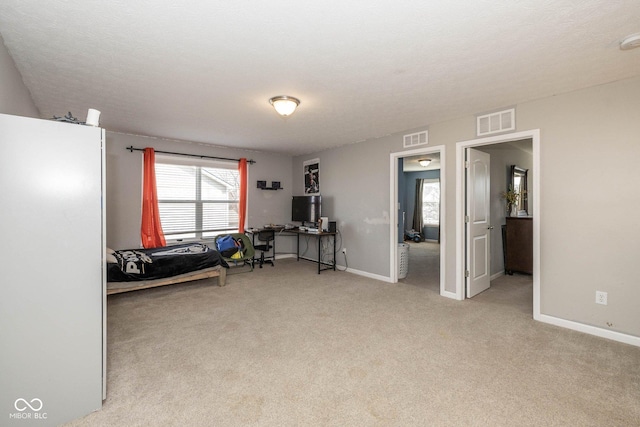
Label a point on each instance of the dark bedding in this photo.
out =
(159, 263)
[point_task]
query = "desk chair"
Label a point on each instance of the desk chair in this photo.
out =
(265, 237)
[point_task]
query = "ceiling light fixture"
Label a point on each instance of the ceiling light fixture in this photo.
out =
(284, 105)
(424, 162)
(630, 42)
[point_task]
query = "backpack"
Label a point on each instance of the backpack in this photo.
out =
(226, 246)
(240, 249)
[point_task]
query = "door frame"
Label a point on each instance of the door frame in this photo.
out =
(393, 210)
(534, 135)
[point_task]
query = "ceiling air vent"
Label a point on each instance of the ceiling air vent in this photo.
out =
(501, 121)
(413, 139)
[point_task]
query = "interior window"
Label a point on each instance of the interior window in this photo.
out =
(197, 198)
(431, 202)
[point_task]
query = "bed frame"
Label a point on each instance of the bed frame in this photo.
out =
(219, 271)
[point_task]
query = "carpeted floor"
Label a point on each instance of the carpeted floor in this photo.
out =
(284, 346)
(424, 265)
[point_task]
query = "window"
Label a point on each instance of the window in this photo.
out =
(431, 202)
(197, 198)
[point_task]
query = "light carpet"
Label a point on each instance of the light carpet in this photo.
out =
(424, 265)
(284, 346)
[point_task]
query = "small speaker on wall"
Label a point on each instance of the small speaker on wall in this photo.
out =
(332, 227)
(275, 185)
(262, 184)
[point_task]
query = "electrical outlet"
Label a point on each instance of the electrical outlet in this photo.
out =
(601, 297)
(344, 251)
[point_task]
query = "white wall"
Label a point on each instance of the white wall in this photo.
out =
(354, 183)
(14, 97)
(502, 157)
(590, 234)
(124, 185)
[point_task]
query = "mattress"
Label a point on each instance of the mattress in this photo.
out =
(148, 264)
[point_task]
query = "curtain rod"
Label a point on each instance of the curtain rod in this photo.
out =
(132, 149)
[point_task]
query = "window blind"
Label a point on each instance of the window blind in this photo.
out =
(197, 198)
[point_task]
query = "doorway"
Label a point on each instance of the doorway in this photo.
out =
(424, 265)
(397, 224)
(461, 192)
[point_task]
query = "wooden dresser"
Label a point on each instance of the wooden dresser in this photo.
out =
(518, 245)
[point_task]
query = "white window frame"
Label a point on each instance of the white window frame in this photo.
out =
(199, 232)
(429, 181)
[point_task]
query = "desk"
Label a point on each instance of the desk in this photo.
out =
(331, 265)
(328, 265)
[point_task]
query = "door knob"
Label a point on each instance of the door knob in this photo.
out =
(490, 227)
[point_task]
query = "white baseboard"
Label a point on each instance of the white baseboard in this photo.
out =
(448, 294)
(364, 273)
(339, 267)
(588, 329)
(495, 276)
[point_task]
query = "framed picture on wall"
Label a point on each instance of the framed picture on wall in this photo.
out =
(311, 171)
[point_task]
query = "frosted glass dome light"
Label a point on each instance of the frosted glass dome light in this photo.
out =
(284, 105)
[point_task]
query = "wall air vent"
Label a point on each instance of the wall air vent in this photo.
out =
(414, 139)
(500, 121)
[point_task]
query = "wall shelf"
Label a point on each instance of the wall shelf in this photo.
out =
(275, 185)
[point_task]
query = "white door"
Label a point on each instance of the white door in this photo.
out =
(478, 222)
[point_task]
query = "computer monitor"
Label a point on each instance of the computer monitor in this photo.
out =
(306, 208)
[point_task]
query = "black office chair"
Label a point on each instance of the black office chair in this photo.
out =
(265, 237)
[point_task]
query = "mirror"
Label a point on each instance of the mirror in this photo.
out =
(519, 184)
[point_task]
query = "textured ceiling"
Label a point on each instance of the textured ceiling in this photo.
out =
(203, 70)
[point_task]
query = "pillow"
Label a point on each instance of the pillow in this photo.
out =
(110, 251)
(111, 259)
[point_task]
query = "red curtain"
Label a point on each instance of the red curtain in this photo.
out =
(151, 230)
(242, 214)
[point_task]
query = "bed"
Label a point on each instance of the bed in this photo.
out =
(134, 269)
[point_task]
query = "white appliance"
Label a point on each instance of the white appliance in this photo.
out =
(52, 286)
